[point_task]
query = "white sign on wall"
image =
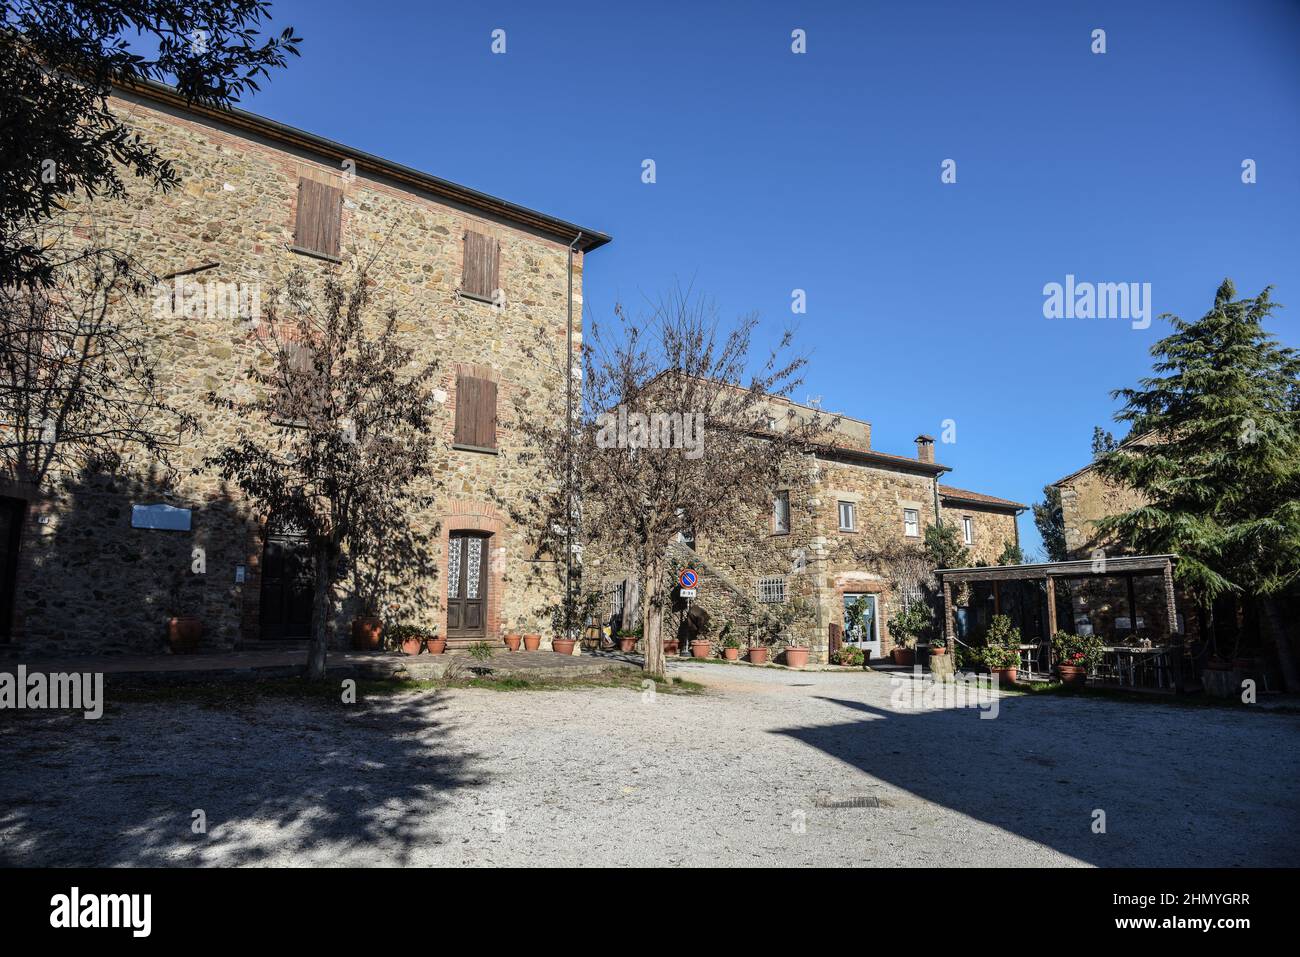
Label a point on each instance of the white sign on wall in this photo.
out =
(165, 517)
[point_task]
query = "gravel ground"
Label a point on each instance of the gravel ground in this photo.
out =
(735, 776)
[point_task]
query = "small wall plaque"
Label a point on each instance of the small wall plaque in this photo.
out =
(165, 517)
(241, 572)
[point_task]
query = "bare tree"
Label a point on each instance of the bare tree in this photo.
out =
(338, 428)
(675, 430)
(78, 386)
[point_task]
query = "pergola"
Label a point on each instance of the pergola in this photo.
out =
(1125, 567)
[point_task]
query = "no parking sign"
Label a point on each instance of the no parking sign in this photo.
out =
(687, 580)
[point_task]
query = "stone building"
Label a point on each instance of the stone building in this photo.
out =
(98, 562)
(825, 542)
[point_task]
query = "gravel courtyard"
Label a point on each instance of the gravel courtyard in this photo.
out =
(744, 773)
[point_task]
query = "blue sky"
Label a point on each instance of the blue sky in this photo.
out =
(821, 172)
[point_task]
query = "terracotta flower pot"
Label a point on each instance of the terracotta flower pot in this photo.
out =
(512, 642)
(562, 646)
(700, 649)
(938, 651)
(435, 646)
(796, 657)
(532, 642)
(758, 656)
(905, 657)
(731, 654)
(672, 647)
(367, 633)
(412, 646)
(627, 644)
(1006, 676)
(1073, 675)
(183, 635)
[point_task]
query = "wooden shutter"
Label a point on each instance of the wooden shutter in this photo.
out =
(476, 412)
(480, 275)
(320, 217)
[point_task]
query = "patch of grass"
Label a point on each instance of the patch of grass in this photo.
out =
(245, 693)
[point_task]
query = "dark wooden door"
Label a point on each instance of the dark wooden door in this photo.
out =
(467, 559)
(288, 586)
(12, 511)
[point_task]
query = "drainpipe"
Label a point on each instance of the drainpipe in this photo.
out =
(568, 452)
(935, 485)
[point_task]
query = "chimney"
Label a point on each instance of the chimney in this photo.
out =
(925, 448)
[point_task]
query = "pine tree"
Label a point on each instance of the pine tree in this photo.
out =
(1050, 520)
(1219, 464)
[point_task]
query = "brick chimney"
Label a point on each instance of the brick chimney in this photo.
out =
(925, 448)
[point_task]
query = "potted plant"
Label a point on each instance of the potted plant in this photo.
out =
(731, 648)
(183, 634)
(850, 655)
(512, 641)
(562, 646)
(1001, 653)
(435, 645)
(404, 638)
(672, 646)
(757, 653)
(796, 652)
(1076, 655)
(906, 628)
(938, 646)
(627, 639)
(367, 632)
(183, 630)
(532, 641)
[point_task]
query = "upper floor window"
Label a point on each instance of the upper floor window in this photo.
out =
(911, 523)
(480, 271)
(476, 413)
(968, 530)
(319, 222)
(781, 513)
(848, 517)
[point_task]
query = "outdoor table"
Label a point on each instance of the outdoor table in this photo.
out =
(1127, 659)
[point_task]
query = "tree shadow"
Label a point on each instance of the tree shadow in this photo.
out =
(283, 777)
(1178, 786)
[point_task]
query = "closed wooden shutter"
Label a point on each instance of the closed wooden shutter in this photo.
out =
(476, 412)
(320, 217)
(480, 275)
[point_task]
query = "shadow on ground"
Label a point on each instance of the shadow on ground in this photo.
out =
(279, 778)
(1175, 784)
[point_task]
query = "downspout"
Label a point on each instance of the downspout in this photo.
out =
(568, 453)
(938, 520)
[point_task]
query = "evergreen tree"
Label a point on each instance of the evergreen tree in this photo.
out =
(1050, 521)
(1219, 466)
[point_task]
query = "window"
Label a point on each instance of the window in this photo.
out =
(781, 513)
(319, 221)
(968, 529)
(771, 591)
(476, 413)
(480, 271)
(911, 523)
(848, 517)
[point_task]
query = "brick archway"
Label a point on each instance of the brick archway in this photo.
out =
(475, 516)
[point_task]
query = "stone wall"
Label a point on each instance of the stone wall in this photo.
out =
(88, 581)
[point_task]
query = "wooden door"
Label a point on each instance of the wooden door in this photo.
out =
(288, 586)
(467, 583)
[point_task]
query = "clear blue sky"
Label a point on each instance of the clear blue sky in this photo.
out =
(821, 171)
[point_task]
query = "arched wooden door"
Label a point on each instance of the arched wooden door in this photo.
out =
(467, 585)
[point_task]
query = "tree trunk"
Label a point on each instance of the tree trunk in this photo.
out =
(1282, 642)
(652, 628)
(320, 612)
